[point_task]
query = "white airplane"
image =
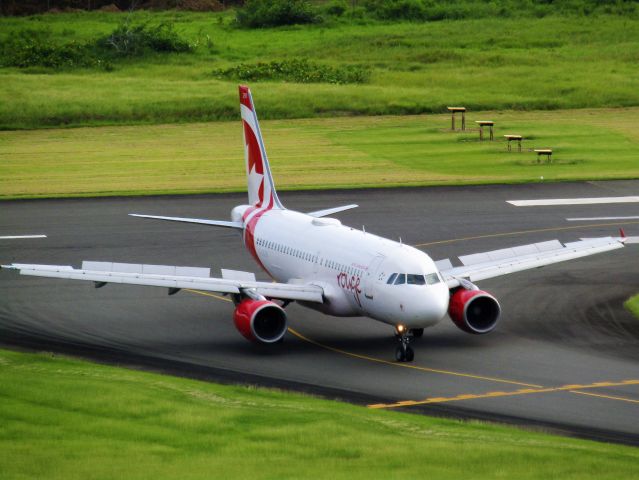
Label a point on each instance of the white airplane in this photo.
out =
(335, 269)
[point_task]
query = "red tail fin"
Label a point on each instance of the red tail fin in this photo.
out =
(261, 189)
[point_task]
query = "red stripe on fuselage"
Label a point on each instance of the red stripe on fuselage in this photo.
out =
(249, 231)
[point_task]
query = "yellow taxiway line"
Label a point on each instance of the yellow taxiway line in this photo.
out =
(380, 360)
(407, 365)
(609, 397)
(523, 391)
(206, 294)
(533, 389)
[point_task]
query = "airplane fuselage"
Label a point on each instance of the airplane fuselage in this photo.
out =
(354, 268)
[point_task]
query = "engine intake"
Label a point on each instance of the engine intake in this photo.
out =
(260, 320)
(474, 311)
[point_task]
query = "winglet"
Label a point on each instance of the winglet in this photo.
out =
(622, 234)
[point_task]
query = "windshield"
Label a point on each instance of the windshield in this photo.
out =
(413, 279)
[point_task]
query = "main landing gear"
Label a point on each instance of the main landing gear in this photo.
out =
(404, 352)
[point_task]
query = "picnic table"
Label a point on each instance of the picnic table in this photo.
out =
(544, 151)
(453, 110)
(482, 124)
(510, 138)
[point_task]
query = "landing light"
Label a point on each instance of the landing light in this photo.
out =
(400, 328)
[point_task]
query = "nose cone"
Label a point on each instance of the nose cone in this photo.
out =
(427, 307)
(436, 303)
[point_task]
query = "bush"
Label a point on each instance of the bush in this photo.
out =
(34, 48)
(397, 9)
(297, 71)
(337, 8)
(274, 13)
(433, 10)
(137, 40)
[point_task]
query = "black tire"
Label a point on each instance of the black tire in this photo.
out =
(417, 332)
(410, 355)
(400, 355)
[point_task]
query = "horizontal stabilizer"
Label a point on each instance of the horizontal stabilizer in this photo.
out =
(331, 211)
(201, 221)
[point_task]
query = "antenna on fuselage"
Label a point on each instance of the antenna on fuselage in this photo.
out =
(364, 228)
(400, 241)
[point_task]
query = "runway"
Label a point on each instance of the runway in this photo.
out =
(565, 356)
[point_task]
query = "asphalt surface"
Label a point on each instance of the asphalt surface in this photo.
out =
(565, 356)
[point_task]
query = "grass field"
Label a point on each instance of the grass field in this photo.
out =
(317, 153)
(633, 305)
(68, 419)
(491, 63)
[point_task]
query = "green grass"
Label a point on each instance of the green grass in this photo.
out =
(491, 63)
(317, 153)
(632, 304)
(68, 419)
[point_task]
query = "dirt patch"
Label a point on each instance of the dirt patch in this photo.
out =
(110, 8)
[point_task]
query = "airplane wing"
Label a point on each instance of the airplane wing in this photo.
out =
(201, 221)
(173, 278)
(480, 266)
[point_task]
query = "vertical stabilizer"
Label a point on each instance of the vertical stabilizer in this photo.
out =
(261, 189)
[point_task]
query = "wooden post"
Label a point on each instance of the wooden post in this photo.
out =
(463, 120)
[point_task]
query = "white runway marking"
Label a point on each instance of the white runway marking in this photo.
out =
(572, 201)
(14, 237)
(587, 219)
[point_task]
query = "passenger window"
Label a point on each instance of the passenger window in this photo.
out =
(401, 279)
(391, 279)
(412, 279)
(432, 279)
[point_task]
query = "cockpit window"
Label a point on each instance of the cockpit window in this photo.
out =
(401, 279)
(432, 279)
(413, 279)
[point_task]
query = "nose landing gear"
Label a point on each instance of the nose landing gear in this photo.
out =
(404, 352)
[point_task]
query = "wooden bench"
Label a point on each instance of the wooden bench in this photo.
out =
(510, 138)
(463, 112)
(544, 151)
(482, 124)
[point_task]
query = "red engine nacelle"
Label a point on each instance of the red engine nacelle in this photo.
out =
(474, 311)
(260, 320)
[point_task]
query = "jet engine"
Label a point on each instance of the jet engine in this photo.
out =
(260, 321)
(474, 311)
